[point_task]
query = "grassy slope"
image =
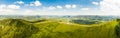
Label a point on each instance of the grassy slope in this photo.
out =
(56, 29)
(64, 30)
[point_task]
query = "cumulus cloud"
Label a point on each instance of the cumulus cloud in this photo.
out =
(74, 6)
(13, 7)
(2, 6)
(110, 5)
(19, 2)
(31, 4)
(9, 9)
(37, 3)
(68, 6)
(84, 9)
(95, 3)
(51, 8)
(60, 7)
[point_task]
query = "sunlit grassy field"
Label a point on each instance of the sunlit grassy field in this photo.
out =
(19, 28)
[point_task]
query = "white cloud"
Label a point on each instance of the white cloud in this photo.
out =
(13, 7)
(60, 7)
(68, 6)
(31, 4)
(51, 8)
(74, 6)
(84, 9)
(19, 2)
(95, 3)
(8, 9)
(110, 7)
(2, 6)
(28, 12)
(37, 3)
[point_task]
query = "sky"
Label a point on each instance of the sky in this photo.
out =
(59, 7)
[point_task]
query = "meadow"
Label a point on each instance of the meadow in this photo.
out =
(50, 28)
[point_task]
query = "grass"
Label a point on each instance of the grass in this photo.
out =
(18, 28)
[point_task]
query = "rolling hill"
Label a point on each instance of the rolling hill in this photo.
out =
(19, 28)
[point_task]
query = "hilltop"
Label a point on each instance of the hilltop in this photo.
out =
(19, 28)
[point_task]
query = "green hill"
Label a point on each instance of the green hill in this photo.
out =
(19, 28)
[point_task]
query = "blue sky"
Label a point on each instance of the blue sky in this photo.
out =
(47, 3)
(55, 7)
